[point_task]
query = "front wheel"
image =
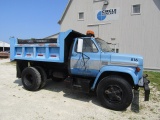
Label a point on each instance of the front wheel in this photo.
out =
(114, 93)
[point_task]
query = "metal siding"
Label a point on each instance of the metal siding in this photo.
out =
(137, 34)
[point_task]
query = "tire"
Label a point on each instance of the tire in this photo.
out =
(31, 78)
(43, 76)
(114, 93)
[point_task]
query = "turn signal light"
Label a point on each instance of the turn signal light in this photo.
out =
(137, 69)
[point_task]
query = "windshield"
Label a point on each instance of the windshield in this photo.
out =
(104, 46)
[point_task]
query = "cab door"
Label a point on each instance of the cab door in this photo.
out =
(87, 62)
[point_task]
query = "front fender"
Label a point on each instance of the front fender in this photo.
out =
(128, 70)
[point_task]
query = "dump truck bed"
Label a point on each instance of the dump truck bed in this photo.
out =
(48, 50)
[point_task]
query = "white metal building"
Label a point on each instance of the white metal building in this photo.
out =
(133, 26)
(4, 46)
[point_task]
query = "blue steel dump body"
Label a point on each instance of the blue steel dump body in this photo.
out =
(48, 52)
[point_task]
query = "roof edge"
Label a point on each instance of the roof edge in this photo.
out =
(52, 35)
(65, 11)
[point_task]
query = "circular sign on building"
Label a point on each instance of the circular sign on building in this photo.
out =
(107, 14)
(101, 16)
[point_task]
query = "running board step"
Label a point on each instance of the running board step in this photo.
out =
(79, 84)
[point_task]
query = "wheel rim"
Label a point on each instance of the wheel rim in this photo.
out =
(28, 80)
(113, 94)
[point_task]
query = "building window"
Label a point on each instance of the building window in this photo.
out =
(116, 51)
(136, 9)
(81, 16)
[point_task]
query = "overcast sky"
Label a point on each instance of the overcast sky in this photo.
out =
(30, 18)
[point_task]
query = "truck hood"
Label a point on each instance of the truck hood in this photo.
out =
(126, 59)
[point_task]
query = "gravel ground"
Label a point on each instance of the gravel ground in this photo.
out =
(55, 102)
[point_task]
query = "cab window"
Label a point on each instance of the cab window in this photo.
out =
(88, 46)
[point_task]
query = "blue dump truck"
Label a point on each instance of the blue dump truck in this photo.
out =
(84, 63)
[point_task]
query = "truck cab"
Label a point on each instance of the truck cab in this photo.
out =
(85, 63)
(93, 56)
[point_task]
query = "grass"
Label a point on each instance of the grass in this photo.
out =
(154, 78)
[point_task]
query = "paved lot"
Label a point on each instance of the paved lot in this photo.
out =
(55, 102)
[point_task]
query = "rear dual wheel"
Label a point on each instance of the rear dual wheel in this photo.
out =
(43, 76)
(33, 78)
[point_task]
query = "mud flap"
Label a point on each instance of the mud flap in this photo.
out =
(20, 65)
(135, 101)
(146, 89)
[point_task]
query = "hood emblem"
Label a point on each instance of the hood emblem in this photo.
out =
(134, 59)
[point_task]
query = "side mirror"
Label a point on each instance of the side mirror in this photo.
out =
(80, 45)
